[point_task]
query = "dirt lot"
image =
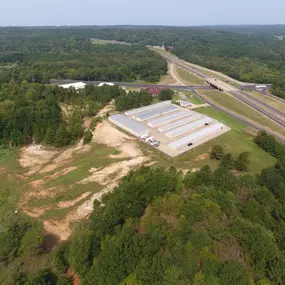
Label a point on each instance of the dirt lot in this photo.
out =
(46, 166)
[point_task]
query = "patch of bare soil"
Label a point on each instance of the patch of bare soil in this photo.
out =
(106, 134)
(66, 156)
(108, 176)
(174, 74)
(201, 157)
(34, 157)
(107, 109)
(71, 203)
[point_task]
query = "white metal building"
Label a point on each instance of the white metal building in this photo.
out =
(129, 125)
(146, 108)
(188, 127)
(175, 124)
(191, 139)
(106, 83)
(168, 118)
(76, 85)
(155, 112)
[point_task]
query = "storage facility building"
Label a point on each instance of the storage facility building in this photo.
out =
(76, 85)
(146, 108)
(191, 139)
(155, 112)
(175, 124)
(168, 118)
(188, 127)
(129, 125)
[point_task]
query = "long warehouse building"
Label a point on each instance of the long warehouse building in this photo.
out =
(191, 139)
(147, 108)
(129, 125)
(188, 127)
(175, 124)
(155, 113)
(168, 118)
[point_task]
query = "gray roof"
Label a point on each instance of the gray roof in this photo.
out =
(188, 127)
(129, 125)
(155, 112)
(195, 136)
(168, 118)
(146, 108)
(170, 126)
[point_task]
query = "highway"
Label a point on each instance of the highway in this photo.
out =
(239, 118)
(137, 85)
(246, 98)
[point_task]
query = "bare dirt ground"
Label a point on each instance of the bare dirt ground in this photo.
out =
(38, 160)
(174, 74)
(107, 134)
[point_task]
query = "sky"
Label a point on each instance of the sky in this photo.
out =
(142, 12)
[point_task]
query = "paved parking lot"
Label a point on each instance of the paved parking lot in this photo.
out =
(165, 140)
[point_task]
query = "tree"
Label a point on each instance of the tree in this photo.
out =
(50, 136)
(228, 161)
(62, 137)
(165, 95)
(87, 137)
(234, 273)
(242, 162)
(217, 152)
(64, 281)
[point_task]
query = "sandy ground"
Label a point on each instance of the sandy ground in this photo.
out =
(109, 177)
(107, 134)
(37, 159)
(174, 74)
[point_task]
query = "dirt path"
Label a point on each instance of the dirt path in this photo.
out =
(39, 161)
(174, 74)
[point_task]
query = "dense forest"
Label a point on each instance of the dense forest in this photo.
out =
(252, 54)
(38, 56)
(161, 226)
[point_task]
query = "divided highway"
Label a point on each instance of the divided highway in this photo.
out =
(246, 98)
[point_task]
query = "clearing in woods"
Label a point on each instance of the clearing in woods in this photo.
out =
(59, 186)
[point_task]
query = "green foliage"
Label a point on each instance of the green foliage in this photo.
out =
(217, 152)
(64, 281)
(165, 95)
(234, 273)
(133, 100)
(62, 137)
(87, 137)
(242, 162)
(228, 161)
(60, 259)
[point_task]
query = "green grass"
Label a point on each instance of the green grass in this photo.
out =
(235, 142)
(106, 42)
(188, 77)
(224, 118)
(229, 102)
(268, 100)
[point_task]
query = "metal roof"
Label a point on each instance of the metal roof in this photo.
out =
(129, 125)
(195, 136)
(192, 118)
(155, 112)
(146, 108)
(76, 85)
(188, 127)
(168, 118)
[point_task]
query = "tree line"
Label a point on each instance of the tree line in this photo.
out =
(161, 227)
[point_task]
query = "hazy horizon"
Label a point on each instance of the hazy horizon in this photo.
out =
(142, 13)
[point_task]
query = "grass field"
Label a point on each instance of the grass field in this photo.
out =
(105, 42)
(229, 102)
(188, 77)
(268, 100)
(235, 142)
